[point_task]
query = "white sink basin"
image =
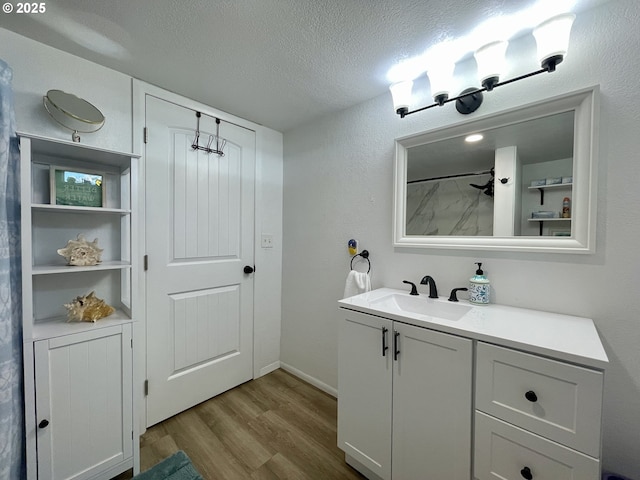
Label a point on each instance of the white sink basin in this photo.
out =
(421, 305)
(566, 337)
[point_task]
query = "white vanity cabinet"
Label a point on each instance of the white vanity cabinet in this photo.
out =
(475, 392)
(404, 396)
(79, 415)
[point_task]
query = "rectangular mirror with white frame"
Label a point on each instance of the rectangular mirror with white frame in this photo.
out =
(528, 182)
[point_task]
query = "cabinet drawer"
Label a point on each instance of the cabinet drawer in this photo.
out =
(506, 452)
(557, 400)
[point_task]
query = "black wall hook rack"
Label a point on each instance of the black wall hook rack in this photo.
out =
(364, 254)
(220, 143)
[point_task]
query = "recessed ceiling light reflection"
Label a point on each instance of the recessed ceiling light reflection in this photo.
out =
(476, 137)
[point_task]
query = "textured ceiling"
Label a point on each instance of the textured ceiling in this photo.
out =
(279, 63)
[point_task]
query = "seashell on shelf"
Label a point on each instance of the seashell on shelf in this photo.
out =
(80, 252)
(88, 308)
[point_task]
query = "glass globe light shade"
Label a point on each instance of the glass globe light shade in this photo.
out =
(401, 94)
(552, 40)
(441, 78)
(491, 63)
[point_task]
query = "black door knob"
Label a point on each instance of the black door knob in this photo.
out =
(526, 473)
(248, 269)
(43, 424)
(531, 396)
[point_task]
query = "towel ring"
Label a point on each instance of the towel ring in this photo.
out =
(365, 255)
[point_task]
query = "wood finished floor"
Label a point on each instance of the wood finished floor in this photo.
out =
(274, 427)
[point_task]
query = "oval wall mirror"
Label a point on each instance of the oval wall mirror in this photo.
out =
(528, 184)
(73, 113)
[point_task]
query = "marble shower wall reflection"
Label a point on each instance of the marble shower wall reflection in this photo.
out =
(449, 207)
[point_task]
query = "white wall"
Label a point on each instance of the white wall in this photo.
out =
(268, 275)
(338, 185)
(38, 68)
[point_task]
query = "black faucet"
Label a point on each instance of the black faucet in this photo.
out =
(414, 290)
(433, 291)
(453, 297)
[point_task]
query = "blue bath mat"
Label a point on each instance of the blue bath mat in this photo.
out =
(177, 467)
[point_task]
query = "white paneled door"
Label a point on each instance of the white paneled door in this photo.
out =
(199, 240)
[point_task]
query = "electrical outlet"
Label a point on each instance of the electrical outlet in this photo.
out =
(267, 241)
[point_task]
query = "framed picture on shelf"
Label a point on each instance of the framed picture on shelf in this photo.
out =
(80, 188)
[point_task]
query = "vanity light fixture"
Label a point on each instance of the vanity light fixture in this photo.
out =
(552, 40)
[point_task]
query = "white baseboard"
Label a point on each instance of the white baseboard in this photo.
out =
(352, 462)
(309, 379)
(269, 368)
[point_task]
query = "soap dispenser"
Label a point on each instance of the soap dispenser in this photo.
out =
(479, 287)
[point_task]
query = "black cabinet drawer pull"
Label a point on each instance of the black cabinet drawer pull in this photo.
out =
(43, 424)
(396, 345)
(385, 347)
(526, 473)
(531, 396)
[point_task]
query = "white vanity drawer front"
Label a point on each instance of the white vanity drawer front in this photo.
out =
(557, 400)
(505, 452)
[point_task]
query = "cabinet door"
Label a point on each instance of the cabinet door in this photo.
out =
(364, 391)
(432, 405)
(83, 403)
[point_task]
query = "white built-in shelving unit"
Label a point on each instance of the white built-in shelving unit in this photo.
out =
(78, 375)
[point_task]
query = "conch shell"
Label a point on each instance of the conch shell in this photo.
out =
(88, 308)
(80, 252)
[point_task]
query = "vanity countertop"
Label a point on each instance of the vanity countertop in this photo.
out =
(565, 337)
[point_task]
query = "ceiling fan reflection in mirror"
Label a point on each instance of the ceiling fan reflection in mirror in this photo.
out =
(73, 113)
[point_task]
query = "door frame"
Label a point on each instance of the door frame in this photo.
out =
(268, 185)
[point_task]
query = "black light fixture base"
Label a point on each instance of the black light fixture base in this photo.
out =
(549, 64)
(490, 82)
(469, 101)
(441, 99)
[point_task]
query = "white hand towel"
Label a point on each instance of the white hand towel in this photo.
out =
(357, 282)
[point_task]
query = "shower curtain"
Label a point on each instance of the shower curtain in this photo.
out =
(12, 443)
